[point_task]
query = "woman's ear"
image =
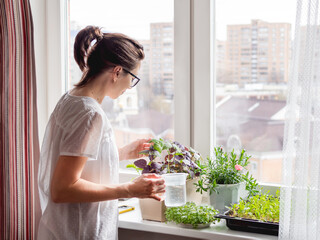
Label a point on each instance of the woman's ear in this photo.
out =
(117, 70)
(116, 73)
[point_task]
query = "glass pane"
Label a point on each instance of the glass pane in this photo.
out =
(253, 55)
(145, 111)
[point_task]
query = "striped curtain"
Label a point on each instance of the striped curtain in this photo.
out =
(19, 208)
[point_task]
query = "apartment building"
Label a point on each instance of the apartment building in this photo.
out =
(161, 59)
(258, 52)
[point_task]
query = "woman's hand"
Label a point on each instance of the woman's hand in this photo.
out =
(131, 151)
(148, 185)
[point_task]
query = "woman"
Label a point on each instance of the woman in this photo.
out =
(78, 172)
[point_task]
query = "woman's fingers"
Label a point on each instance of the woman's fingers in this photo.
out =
(153, 175)
(155, 181)
(158, 181)
(162, 189)
(145, 146)
(158, 190)
(157, 185)
(156, 197)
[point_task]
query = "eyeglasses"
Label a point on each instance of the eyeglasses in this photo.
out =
(135, 79)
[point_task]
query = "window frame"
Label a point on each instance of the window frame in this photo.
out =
(193, 23)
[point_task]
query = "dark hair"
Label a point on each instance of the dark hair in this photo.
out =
(110, 49)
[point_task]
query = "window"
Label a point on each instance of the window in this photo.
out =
(144, 111)
(255, 129)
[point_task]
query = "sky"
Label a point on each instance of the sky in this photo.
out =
(133, 17)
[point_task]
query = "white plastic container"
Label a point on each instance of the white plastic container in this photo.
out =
(175, 194)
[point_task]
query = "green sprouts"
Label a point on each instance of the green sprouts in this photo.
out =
(192, 214)
(263, 207)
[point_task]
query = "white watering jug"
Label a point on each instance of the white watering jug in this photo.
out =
(175, 194)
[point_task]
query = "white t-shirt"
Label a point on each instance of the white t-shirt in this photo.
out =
(79, 127)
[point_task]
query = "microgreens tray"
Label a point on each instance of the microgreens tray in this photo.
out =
(249, 225)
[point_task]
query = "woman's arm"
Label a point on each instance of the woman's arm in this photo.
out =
(68, 186)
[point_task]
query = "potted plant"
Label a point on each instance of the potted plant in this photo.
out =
(226, 179)
(165, 156)
(192, 216)
(260, 213)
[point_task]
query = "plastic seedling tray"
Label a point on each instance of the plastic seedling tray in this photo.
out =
(249, 225)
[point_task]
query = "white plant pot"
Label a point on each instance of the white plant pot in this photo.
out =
(227, 195)
(192, 195)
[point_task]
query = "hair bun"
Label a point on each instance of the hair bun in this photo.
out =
(83, 42)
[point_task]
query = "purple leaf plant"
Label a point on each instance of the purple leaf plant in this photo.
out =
(165, 156)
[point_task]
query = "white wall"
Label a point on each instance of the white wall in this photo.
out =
(49, 34)
(38, 8)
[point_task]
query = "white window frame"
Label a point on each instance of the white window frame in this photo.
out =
(194, 74)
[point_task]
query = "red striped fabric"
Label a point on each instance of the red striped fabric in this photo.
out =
(19, 206)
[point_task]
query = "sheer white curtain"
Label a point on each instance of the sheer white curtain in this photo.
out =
(300, 198)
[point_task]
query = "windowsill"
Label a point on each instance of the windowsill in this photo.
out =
(133, 221)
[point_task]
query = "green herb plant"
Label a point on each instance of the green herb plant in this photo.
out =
(226, 168)
(192, 214)
(264, 207)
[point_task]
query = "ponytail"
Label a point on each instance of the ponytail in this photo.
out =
(110, 49)
(83, 42)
